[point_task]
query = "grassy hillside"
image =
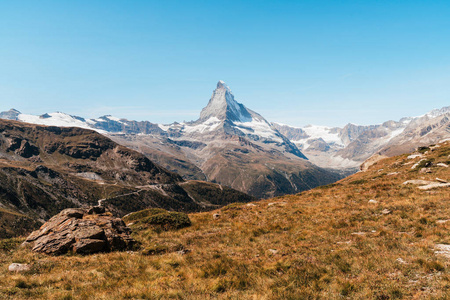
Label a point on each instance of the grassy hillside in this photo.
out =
(369, 236)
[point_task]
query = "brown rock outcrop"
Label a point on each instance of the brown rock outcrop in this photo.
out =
(76, 230)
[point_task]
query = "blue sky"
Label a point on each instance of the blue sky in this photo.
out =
(295, 62)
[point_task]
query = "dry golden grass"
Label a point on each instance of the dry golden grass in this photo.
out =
(327, 243)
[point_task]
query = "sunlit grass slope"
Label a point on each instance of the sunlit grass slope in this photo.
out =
(369, 236)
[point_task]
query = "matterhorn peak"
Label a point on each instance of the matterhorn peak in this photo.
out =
(222, 85)
(223, 106)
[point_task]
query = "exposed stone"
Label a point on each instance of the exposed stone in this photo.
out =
(401, 261)
(426, 170)
(73, 213)
(442, 221)
(359, 233)
(385, 211)
(442, 249)
(18, 268)
(372, 201)
(87, 246)
(216, 216)
(418, 182)
(75, 230)
(434, 185)
(183, 251)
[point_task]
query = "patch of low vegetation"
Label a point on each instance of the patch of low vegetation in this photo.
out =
(159, 219)
(359, 181)
(422, 150)
(139, 215)
(233, 206)
(8, 245)
(328, 243)
(425, 163)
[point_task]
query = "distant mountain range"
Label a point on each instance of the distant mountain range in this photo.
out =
(232, 145)
(350, 146)
(44, 169)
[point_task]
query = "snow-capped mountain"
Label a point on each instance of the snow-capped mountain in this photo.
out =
(233, 145)
(351, 145)
(229, 144)
(222, 106)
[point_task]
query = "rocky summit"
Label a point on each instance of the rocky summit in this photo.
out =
(81, 231)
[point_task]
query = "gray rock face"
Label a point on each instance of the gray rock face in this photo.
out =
(223, 106)
(76, 230)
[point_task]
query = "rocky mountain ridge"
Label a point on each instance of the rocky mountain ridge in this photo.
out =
(44, 169)
(229, 144)
(350, 146)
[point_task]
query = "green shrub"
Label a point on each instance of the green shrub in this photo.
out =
(236, 205)
(423, 149)
(425, 163)
(7, 245)
(162, 249)
(143, 214)
(168, 220)
(359, 181)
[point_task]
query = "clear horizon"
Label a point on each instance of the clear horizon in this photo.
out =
(297, 63)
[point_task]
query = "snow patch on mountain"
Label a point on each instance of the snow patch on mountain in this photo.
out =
(209, 125)
(316, 132)
(258, 127)
(57, 119)
(324, 132)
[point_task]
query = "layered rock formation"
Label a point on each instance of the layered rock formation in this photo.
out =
(74, 230)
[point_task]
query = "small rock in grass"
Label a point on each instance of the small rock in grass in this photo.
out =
(412, 156)
(441, 180)
(442, 165)
(18, 268)
(400, 261)
(425, 170)
(358, 233)
(216, 216)
(442, 249)
(273, 251)
(373, 201)
(442, 221)
(183, 251)
(385, 211)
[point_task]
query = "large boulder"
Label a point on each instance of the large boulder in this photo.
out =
(81, 231)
